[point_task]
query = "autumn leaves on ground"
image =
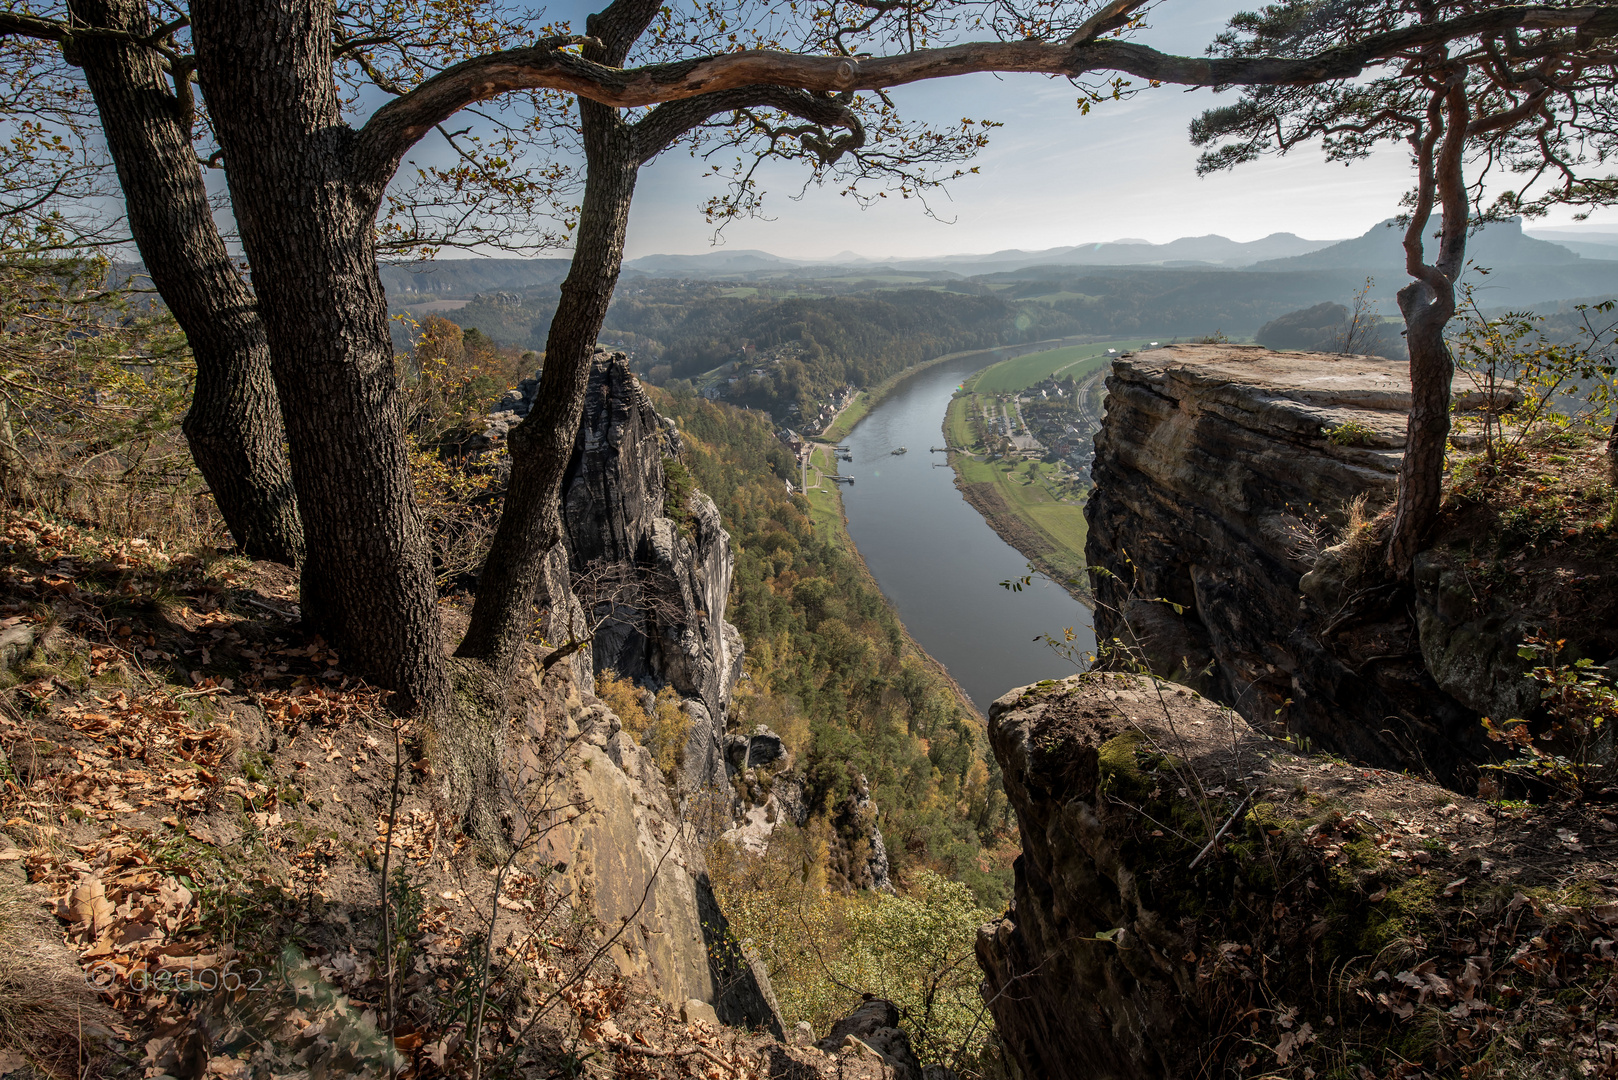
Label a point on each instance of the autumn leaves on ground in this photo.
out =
(203, 809)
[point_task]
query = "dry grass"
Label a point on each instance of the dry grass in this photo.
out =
(49, 1016)
(1364, 535)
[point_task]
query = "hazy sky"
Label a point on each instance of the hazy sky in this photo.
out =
(1050, 177)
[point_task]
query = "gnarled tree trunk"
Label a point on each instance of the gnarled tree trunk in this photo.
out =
(307, 224)
(1427, 304)
(531, 522)
(234, 424)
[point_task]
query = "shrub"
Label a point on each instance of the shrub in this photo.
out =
(663, 731)
(1349, 433)
(1582, 705)
(96, 381)
(824, 951)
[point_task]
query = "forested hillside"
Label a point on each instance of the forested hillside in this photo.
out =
(832, 671)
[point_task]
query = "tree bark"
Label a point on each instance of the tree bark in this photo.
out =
(308, 228)
(234, 423)
(531, 521)
(1421, 473)
(1427, 304)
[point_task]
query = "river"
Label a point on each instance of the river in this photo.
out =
(935, 557)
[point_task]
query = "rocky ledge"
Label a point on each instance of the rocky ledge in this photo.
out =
(1222, 475)
(1196, 899)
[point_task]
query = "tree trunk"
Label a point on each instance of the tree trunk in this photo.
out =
(1428, 304)
(531, 522)
(1421, 473)
(234, 424)
(308, 229)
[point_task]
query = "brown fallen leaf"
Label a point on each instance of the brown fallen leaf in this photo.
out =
(88, 907)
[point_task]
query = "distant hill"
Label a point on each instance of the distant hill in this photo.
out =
(1585, 249)
(1212, 249)
(1497, 246)
(1523, 270)
(711, 263)
(465, 278)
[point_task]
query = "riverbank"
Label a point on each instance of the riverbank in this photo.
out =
(1034, 505)
(831, 524)
(866, 400)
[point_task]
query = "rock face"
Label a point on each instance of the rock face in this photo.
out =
(1338, 903)
(596, 809)
(1217, 484)
(664, 569)
(873, 1028)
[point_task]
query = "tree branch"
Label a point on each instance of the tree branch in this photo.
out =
(16, 24)
(669, 121)
(395, 127)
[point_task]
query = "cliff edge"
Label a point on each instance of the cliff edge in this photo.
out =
(1224, 473)
(1196, 899)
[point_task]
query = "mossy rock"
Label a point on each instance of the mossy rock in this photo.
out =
(1384, 902)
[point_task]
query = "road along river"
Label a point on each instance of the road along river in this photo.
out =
(936, 559)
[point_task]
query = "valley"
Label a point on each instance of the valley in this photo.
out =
(933, 555)
(1020, 436)
(468, 611)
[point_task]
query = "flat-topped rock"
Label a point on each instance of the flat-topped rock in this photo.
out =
(1220, 472)
(1182, 877)
(1338, 380)
(1297, 394)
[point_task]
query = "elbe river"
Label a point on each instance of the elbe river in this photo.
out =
(935, 557)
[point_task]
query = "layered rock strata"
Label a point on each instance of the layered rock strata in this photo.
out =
(1221, 473)
(662, 570)
(1195, 899)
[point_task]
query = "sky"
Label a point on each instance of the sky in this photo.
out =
(1049, 178)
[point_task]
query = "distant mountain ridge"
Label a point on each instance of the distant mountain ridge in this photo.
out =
(468, 277)
(1213, 249)
(453, 279)
(1497, 245)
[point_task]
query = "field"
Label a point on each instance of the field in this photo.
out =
(1036, 506)
(1024, 371)
(825, 503)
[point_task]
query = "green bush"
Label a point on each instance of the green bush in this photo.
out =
(824, 950)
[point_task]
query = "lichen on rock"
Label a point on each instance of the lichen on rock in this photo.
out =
(1341, 910)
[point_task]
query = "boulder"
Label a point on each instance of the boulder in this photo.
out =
(1196, 899)
(873, 1028)
(16, 643)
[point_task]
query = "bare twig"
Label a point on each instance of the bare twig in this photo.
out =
(1222, 830)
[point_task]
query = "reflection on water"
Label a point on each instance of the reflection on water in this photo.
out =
(935, 557)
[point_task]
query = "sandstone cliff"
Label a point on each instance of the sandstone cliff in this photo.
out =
(1221, 473)
(1349, 921)
(667, 626)
(647, 573)
(627, 854)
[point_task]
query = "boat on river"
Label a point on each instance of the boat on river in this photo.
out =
(901, 450)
